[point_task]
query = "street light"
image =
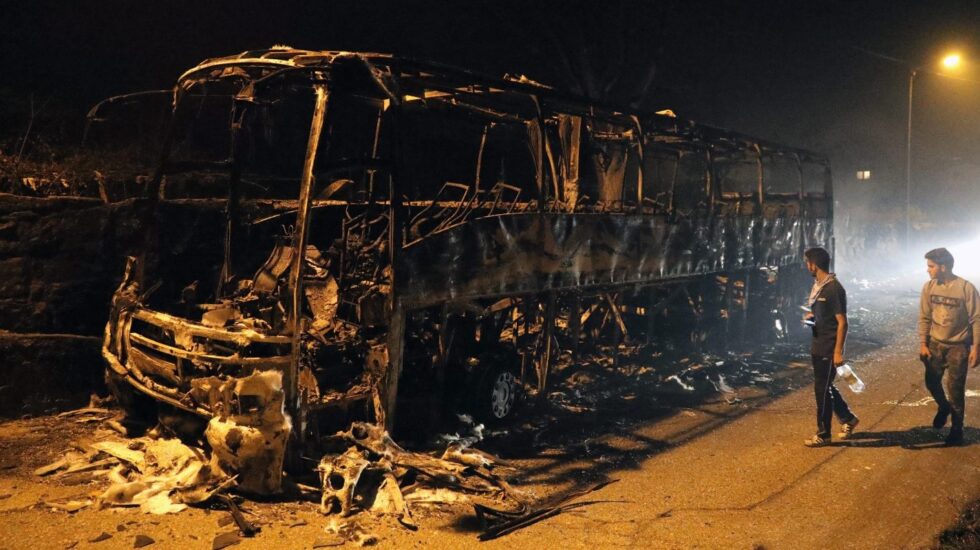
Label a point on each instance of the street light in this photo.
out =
(951, 61)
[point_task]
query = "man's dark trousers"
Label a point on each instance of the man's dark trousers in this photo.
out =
(829, 400)
(952, 360)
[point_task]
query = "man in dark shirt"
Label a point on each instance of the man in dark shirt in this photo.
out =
(828, 317)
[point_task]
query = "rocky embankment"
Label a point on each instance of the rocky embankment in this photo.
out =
(60, 259)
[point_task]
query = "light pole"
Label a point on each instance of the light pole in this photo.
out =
(951, 61)
(908, 167)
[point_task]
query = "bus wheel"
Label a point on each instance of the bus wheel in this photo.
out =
(496, 395)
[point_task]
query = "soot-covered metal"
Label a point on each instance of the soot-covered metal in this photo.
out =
(393, 224)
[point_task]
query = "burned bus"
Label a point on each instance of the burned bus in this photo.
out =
(402, 239)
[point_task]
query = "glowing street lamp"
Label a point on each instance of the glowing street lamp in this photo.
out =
(951, 61)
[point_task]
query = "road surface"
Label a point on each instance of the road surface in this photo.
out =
(726, 474)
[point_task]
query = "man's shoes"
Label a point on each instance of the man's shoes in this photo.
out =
(955, 436)
(817, 441)
(847, 428)
(938, 421)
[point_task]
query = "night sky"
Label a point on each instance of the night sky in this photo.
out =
(799, 72)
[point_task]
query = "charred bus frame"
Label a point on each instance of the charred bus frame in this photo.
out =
(598, 217)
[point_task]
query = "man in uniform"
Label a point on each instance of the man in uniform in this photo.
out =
(949, 335)
(828, 317)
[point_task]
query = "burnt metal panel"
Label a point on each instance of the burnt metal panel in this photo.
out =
(535, 252)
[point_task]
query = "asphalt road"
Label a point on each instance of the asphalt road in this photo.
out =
(750, 483)
(716, 475)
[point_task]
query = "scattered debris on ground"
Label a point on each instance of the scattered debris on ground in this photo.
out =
(367, 470)
(362, 471)
(160, 476)
(498, 523)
